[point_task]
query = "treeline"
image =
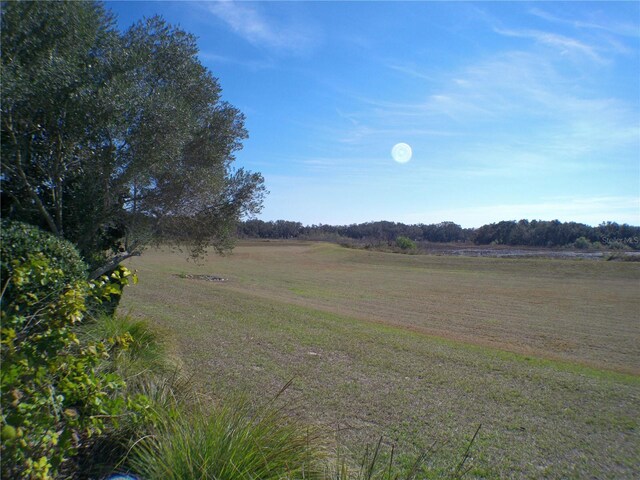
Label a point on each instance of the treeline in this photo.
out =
(535, 233)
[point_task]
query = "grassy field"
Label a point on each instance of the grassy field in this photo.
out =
(543, 353)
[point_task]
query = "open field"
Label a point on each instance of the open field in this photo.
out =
(543, 353)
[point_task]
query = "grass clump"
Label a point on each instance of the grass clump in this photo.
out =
(140, 350)
(227, 442)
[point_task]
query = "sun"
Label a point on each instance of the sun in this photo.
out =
(401, 152)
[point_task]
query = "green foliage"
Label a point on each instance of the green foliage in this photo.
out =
(229, 442)
(405, 243)
(617, 245)
(54, 399)
(20, 240)
(143, 353)
(112, 139)
(582, 243)
(54, 56)
(137, 355)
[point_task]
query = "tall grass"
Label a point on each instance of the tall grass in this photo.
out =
(139, 357)
(231, 441)
(140, 350)
(378, 463)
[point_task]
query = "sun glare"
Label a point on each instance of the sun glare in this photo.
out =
(401, 152)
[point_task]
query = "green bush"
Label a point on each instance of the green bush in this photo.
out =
(20, 240)
(582, 243)
(405, 243)
(55, 400)
(617, 245)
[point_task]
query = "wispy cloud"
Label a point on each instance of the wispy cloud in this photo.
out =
(252, 25)
(363, 133)
(484, 104)
(563, 44)
(411, 70)
(616, 27)
(253, 65)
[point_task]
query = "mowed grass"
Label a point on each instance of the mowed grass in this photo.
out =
(542, 353)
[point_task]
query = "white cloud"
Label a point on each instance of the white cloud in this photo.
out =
(412, 71)
(563, 44)
(253, 65)
(612, 26)
(249, 23)
(360, 133)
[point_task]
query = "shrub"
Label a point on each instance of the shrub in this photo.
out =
(54, 401)
(20, 240)
(617, 245)
(405, 243)
(622, 257)
(582, 243)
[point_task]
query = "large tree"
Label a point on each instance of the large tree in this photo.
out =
(112, 139)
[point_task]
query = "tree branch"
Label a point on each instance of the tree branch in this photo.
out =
(112, 264)
(32, 193)
(57, 186)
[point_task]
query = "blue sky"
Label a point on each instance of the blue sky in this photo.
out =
(512, 109)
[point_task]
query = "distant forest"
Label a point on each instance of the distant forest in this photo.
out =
(534, 233)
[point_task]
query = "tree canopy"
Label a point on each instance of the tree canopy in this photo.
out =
(115, 139)
(534, 233)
